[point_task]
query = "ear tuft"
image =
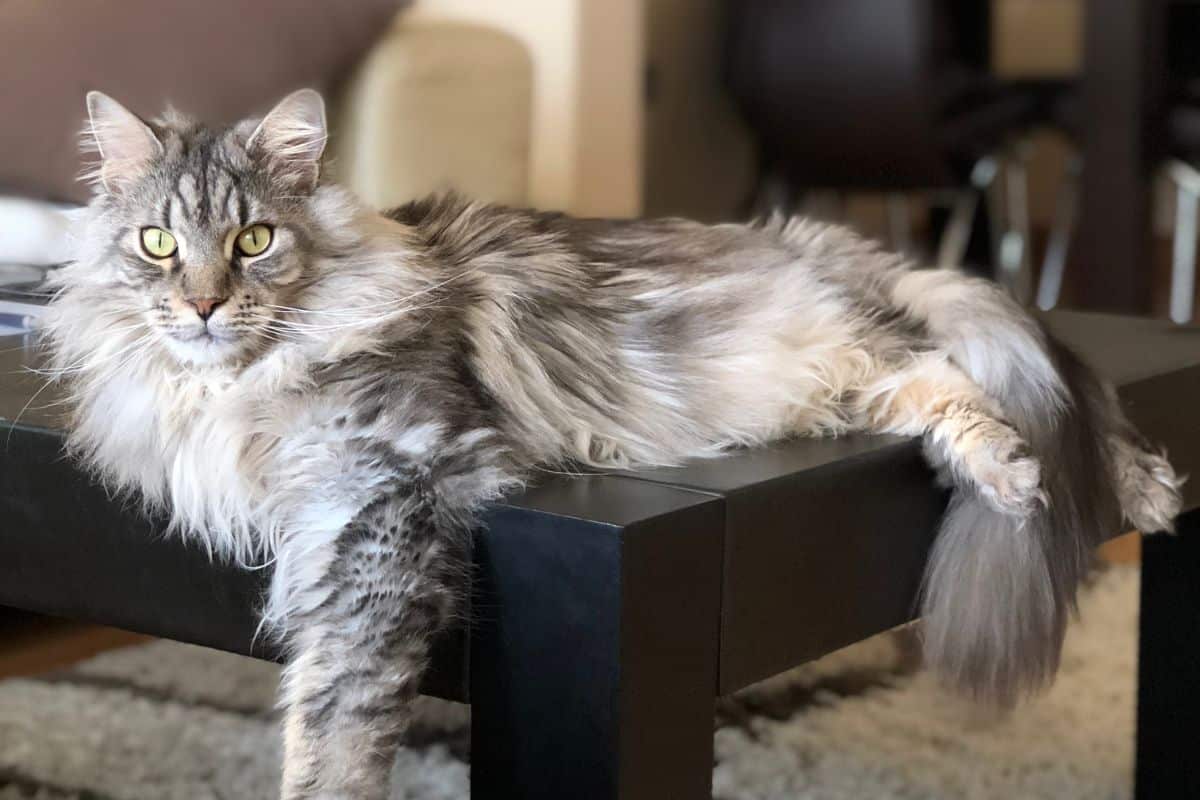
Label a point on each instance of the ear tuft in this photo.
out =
(292, 139)
(126, 144)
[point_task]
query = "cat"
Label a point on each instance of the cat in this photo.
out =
(298, 378)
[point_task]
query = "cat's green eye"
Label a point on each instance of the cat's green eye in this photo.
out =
(254, 240)
(158, 243)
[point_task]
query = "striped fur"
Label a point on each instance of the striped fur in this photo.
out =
(372, 380)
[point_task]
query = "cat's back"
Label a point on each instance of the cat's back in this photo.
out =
(634, 274)
(460, 231)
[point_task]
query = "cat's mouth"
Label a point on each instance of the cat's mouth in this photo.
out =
(204, 345)
(204, 335)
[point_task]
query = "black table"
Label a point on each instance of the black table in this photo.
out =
(610, 610)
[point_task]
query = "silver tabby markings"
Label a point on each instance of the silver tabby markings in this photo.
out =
(343, 393)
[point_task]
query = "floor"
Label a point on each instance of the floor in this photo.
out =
(31, 644)
(167, 721)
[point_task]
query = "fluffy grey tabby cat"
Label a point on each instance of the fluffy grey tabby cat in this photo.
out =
(300, 379)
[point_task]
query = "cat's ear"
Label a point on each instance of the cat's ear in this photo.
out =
(292, 139)
(126, 144)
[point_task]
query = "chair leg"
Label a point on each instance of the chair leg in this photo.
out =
(1054, 265)
(953, 246)
(1014, 269)
(1168, 713)
(772, 194)
(1183, 256)
(952, 249)
(899, 218)
(996, 213)
(826, 205)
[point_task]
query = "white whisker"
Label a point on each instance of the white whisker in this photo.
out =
(395, 302)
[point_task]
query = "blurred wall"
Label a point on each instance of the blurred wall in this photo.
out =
(586, 146)
(1037, 38)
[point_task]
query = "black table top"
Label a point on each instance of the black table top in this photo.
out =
(825, 538)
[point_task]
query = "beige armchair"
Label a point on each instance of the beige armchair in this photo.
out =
(436, 105)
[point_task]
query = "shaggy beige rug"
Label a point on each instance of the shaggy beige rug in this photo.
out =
(167, 721)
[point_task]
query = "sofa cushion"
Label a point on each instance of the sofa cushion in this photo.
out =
(220, 60)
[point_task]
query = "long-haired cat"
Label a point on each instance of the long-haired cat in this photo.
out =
(301, 379)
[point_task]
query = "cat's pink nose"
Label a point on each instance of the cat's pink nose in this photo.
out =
(205, 306)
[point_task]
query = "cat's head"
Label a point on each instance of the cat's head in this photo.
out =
(203, 235)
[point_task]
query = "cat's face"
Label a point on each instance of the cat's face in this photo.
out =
(209, 253)
(209, 233)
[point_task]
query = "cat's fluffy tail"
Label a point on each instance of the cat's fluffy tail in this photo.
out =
(999, 588)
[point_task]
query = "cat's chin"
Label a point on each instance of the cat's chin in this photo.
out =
(207, 350)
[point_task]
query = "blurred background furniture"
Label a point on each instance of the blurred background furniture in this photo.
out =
(409, 96)
(927, 119)
(586, 102)
(912, 97)
(1134, 116)
(897, 98)
(408, 120)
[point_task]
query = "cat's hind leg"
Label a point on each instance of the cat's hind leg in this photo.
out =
(359, 640)
(964, 433)
(1147, 485)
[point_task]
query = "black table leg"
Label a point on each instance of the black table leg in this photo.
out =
(1169, 664)
(594, 659)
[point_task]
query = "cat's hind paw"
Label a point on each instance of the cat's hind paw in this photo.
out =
(1006, 475)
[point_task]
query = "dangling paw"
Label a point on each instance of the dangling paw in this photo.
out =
(1148, 487)
(1005, 473)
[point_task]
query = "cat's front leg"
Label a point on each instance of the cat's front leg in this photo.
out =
(359, 640)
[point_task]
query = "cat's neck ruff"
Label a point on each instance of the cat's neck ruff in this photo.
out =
(201, 441)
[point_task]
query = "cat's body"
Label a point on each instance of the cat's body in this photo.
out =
(373, 380)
